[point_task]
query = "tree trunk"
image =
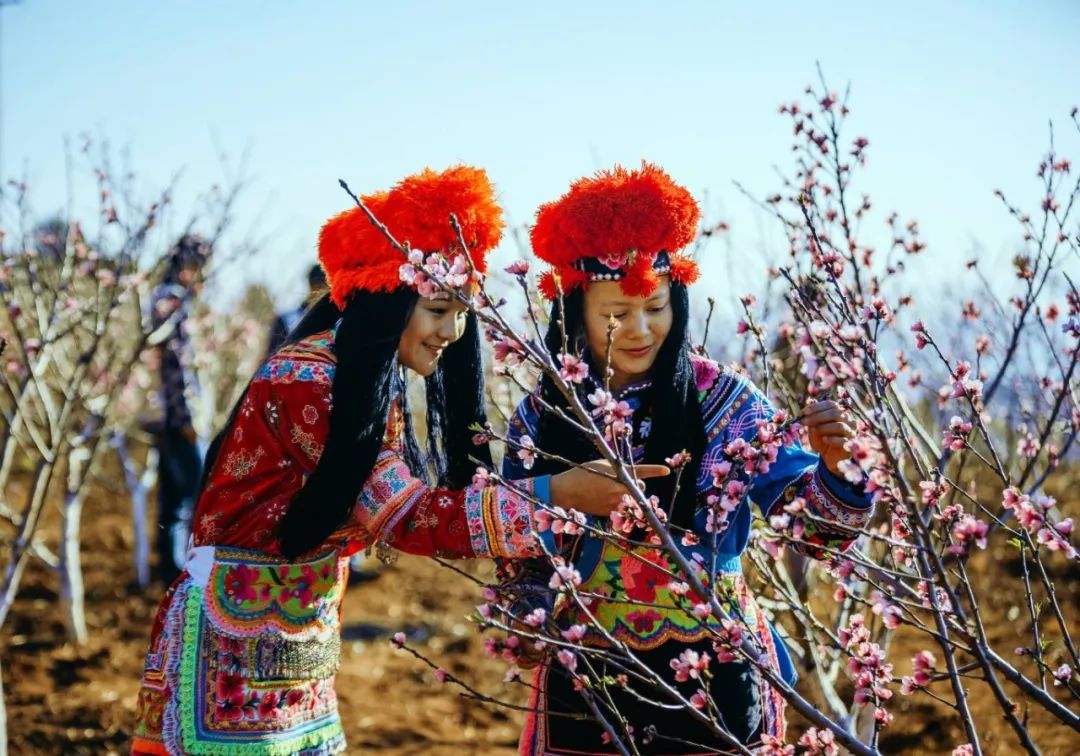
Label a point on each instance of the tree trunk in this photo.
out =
(139, 486)
(20, 546)
(71, 578)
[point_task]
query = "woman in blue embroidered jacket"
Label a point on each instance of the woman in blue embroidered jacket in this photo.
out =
(611, 242)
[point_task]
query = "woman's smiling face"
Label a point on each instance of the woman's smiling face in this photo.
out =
(643, 325)
(435, 324)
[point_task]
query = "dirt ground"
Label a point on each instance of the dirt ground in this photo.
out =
(67, 700)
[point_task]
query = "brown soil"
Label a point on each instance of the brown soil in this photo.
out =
(62, 699)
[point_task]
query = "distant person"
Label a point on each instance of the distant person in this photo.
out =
(180, 465)
(285, 322)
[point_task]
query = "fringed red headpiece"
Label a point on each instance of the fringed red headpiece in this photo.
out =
(618, 225)
(357, 257)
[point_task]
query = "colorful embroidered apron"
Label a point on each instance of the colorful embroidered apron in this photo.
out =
(245, 658)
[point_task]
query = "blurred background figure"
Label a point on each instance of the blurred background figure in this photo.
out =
(284, 322)
(180, 465)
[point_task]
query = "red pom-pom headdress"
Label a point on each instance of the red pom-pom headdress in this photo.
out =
(357, 256)
(619, 225)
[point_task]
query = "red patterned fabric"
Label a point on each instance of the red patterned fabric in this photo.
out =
(245, 644)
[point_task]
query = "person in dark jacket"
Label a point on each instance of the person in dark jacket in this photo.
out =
(180, 460)
(286, 321)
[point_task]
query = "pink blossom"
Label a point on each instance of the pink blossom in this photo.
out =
(964, 750)
(690, 665)
(427, 288)
(573, 369)
(564, 576)
(932, 491)
(626, 516)
(705, 373)
(508, 352)
(1062, 674)
(600, 399)
(774, 746)
(574, 633)
(536, 617)
(1028, 446)
(728, 640)
(398, 640)
(527, 452)
(955, 437)
(458, 274)
(968, 529)
(869, 670)
(851, 332)
(678, 588)
(568, 659)
(440, 675)
(719, 472)
(481, 478)
(734, 493)
(518, 268)
(574, 524)
(1053, 540)
(679, 459)
(616, 419)
(1028, 514)
(819, 742)
(699, 700)
(542, 520)
(922, 672)
(890, 613)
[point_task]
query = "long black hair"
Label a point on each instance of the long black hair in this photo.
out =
(671, 402)
(366, 377)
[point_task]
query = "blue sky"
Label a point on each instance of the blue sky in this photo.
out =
(955, 98)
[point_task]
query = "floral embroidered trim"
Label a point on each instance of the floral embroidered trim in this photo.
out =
(306, 441)
(241, 462)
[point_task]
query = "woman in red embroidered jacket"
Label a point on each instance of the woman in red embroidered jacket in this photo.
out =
(317, 462)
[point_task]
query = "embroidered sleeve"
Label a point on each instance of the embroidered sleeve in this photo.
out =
(833, 509)
(400, 509)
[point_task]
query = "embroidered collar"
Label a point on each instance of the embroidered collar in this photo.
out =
(631, 389)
